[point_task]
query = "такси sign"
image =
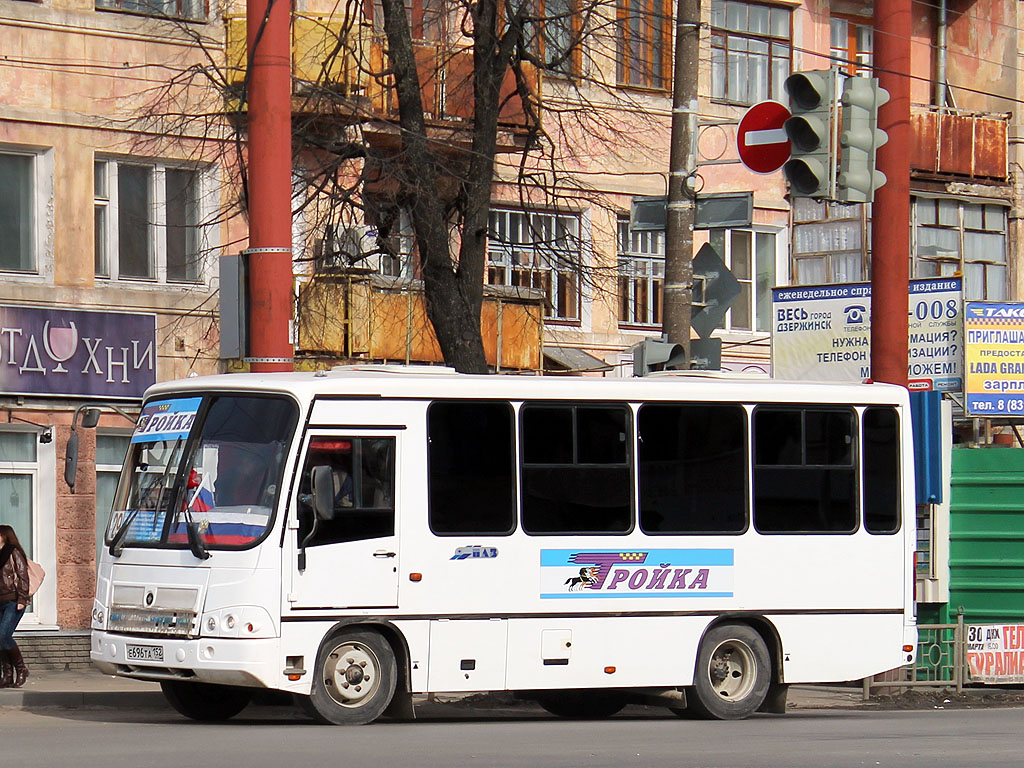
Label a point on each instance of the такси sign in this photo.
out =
(995, 358)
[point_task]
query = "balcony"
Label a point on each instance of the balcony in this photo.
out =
(337, 72)
(370, 317)
(962, 146)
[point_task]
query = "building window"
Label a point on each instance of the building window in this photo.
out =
(644, 43)
(750, 51)
(18, 469)
(750, 256)
(148, 222)
(428, 19)
(175, 9)
(19, 502)
(561, 37)
(852, 45)
(641, 274)
(110, 452)
(540, 251)
(101, 215)
(955, 236)
(17, 212)
(829, 242)
(396, 245)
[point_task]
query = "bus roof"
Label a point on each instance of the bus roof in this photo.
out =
(417, 382)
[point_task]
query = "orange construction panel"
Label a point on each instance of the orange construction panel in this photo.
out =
(956, 147)
(923, 155)
(990, 141)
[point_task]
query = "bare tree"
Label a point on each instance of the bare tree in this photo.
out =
(421, 124)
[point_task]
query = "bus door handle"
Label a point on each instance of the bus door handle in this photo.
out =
(383, 553)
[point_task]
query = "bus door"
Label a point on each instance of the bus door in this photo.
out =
(347, 556)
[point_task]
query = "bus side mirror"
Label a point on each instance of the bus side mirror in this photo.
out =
(71, 461)
(323, 492)
(90, 418)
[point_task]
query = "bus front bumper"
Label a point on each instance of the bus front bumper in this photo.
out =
(228, 661)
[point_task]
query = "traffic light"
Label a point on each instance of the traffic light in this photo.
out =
(811, 168)
(860, 139)
(657, 355)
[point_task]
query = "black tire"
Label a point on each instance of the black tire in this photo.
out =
(582, 705)
(732, 675)
(354, 679)
(205, 701)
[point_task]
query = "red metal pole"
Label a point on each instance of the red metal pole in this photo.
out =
(270, 188)
(890, 225)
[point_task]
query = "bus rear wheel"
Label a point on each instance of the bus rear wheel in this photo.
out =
(355, 679)
(733, 674)
(205, 701)
(582, 705)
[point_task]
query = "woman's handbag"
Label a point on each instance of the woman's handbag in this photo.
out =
(36, 574)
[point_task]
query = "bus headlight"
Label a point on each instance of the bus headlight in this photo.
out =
(244, 621)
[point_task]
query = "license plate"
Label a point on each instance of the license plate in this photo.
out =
(144, 653)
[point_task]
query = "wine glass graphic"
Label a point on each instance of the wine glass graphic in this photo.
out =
(60, 343)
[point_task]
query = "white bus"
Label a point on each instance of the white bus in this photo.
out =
(359, 536)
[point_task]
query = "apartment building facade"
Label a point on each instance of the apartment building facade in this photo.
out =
(114, 208)
(108, 228)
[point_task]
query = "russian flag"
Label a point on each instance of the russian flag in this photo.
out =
(202, 498)
(230, 526)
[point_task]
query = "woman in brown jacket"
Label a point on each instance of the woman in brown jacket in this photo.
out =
(13, 600)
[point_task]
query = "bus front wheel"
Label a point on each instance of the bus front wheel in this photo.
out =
(733, 674)
(355, 679)
(205, 701)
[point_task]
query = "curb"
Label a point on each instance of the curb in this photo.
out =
(20, 699)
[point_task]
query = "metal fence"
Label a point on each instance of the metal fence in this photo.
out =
(941, 660)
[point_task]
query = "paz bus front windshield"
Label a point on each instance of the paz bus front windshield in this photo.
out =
(214, 461)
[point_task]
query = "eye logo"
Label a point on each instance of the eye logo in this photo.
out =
(854, 314)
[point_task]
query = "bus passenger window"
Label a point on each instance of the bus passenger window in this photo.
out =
(881, 470)
(363, 469)
(692, 468)
(576, 475)
(471, 469)
(805, 479)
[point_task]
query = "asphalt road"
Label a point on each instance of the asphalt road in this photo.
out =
(278, 738)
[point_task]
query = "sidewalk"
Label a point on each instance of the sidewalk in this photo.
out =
(90, 688)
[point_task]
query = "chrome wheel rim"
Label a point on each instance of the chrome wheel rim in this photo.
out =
(351, 674)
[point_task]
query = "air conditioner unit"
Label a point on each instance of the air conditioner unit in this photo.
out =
(347, 247)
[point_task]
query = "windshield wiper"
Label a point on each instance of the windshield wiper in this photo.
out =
(196, 542)
(117, 541)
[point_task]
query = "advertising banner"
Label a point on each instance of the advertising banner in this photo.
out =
(570, 574)
(995, 358)
(823, 333)
(995, 653)
(54, 351)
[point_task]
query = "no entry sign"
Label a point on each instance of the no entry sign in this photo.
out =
(760, 139)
